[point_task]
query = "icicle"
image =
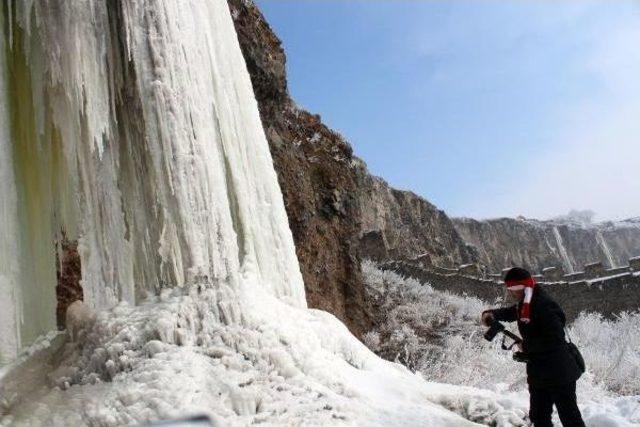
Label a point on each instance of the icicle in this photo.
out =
(563, 251)
(10, 26)
(605, 248)
(9, 226)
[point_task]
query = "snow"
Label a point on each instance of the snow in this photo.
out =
(174, 356)
(506, 409)
(236, 358)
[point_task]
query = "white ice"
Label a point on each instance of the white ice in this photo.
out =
(146, 111)
(563, 251)
(9, 267)
(233, 354)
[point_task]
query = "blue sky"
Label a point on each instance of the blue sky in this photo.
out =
(486, 108)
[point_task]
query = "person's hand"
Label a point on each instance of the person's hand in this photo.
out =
(486, 318)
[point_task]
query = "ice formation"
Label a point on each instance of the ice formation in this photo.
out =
(9, 268)
(605, 249)
(563, 251)
(135, 129)
(242, 356)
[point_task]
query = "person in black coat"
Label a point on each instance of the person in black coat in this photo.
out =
(552, 371)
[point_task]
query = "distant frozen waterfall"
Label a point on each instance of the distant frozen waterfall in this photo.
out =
(131, 126)
(563, 251)
(605, 249)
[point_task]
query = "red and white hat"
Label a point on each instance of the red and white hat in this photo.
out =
(518, 279)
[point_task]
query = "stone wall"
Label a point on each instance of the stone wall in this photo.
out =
(617, 290)
(608, 296)
(484, 289)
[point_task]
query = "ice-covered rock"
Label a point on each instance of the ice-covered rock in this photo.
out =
(79, 317)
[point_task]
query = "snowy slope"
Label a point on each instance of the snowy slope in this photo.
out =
(241, 360)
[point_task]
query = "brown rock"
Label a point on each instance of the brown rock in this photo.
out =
(69, 273)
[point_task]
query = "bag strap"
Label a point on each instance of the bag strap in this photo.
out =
(505, 346)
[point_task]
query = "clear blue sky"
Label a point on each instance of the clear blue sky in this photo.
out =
(486, 108)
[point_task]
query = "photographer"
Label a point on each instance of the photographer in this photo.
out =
(552, 371)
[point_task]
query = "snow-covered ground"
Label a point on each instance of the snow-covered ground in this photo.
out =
(267, 362)
(201, 352)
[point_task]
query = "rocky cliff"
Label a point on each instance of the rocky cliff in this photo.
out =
(399, 224)
(338, 212)
(504, 242)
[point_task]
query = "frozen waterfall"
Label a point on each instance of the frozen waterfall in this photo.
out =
(132, 127)
(563, 251)
(605, 249)
(9, 247)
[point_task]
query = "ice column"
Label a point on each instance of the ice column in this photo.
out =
(141, 116)
(9, 248)
(605, 248)
(563, 251)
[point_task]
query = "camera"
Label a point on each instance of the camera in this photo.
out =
(494, 329)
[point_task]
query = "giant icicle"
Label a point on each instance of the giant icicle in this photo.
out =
(9, 249)
(135, 130)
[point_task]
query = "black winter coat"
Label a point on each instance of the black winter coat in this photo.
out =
(550, 363)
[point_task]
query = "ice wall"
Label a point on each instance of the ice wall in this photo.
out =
(9, 267)
(139, 117)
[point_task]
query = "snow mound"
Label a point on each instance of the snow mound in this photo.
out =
(199, 351)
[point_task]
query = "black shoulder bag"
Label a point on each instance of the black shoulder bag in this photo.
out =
(575, 353)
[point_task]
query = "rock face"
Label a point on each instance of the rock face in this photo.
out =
(69, 275)
(338, 212)
(505, 242)
(399, 224)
